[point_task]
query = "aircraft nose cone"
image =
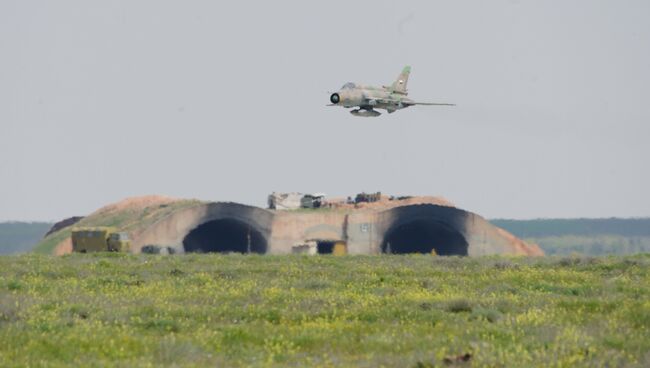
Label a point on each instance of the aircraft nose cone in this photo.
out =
(335, 98)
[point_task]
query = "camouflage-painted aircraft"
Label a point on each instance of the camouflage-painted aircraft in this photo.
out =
(368, 98)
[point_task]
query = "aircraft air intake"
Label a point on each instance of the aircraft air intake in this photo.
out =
(335, 98)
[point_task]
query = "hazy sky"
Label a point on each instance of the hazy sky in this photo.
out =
(101, 100)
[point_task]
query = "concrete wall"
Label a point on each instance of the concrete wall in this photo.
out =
(295, 227)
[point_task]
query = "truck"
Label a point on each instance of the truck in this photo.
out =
(99, 239)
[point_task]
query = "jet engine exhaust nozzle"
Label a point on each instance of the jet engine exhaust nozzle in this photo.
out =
(335, 98)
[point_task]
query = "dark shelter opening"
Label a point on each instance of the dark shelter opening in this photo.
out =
(225, 235)
(423, 236)
(325, 247)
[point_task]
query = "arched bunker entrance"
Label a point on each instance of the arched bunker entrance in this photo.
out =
(423, 236)
(225, 235)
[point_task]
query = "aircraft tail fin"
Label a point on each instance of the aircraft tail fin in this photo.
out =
(399, 86)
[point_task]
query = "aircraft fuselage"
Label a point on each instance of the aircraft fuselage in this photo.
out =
(368, 98)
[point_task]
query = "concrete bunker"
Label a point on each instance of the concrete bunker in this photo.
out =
(424, 235)
(223, 236)
(409, 225)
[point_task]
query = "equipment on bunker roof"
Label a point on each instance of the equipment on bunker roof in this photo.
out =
(311, 201)
(367, 197)
(293, 201)
(99, 239)
(284, 201)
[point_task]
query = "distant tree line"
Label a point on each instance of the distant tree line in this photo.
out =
(558, 227)
(20, 237)
(594, 245)
(583, 236)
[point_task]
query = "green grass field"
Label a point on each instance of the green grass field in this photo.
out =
(299, 311)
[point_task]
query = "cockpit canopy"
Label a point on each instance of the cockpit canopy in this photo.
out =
(349, 85)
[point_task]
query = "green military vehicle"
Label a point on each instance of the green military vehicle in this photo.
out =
(99, 239)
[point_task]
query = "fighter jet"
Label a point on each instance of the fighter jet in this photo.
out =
(368, 98)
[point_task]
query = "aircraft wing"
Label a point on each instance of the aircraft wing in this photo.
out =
(376, 100)
(388, 101)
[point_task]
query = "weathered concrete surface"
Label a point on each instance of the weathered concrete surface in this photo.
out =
(368, 230)
(172, 230)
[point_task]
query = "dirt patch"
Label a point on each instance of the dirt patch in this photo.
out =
(521, 246)
(64, 247)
